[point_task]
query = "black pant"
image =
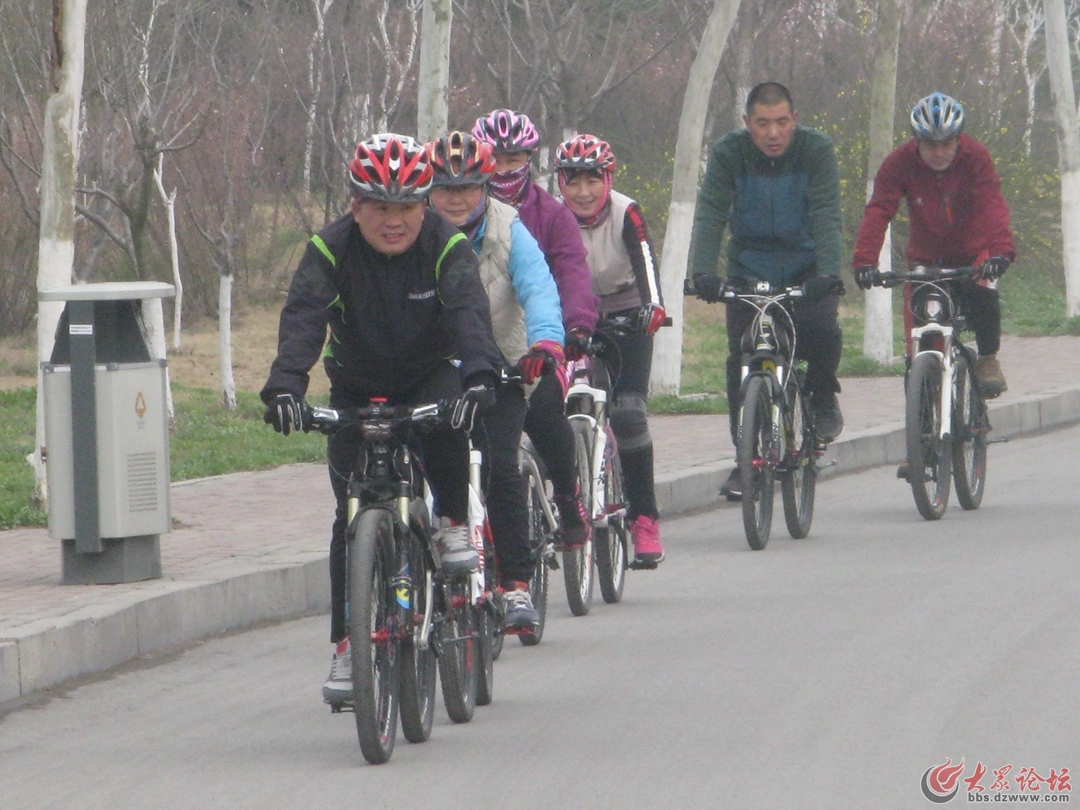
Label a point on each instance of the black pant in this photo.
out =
(629, 423)
(445, 454)
(818, 341)
(551, 434)
(499, 439)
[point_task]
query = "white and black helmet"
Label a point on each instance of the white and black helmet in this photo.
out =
(937, 117)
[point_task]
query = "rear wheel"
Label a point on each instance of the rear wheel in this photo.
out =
(611, 539)
(799, 483)
(970, 427)
(929, 457)
(375, 646)
(538, 548)
(489, 630)
(756, 462)
(459, 654)
(578, 563)
(418, 666)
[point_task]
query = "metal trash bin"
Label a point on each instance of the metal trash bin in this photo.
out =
(107, 434)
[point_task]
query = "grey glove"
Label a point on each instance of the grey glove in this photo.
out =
(286, 413)
(474, 402)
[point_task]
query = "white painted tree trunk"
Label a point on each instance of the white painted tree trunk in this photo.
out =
(433, 91)
(315, 82)
(56, 238)
(153, 315)
(228, 383)
(877, 312)
(1065, 118)
(667, 350)
(169, 200)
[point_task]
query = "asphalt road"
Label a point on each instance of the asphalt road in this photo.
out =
(830, 672)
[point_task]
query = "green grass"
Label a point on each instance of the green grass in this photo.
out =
(209, 440)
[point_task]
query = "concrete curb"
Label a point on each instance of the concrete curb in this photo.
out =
(874, 447)
(163, 613)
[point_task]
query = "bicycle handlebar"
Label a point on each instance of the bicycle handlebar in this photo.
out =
(923, 273)
(326, 420)
(732, 290)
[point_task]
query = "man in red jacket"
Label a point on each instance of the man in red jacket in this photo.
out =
(957, 215)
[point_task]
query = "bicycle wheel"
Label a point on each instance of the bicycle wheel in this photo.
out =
(611, 540)
(488, 629)
(756, 462)
(969, 430)
(418, 666)
(799, 482)
(375, 648)
(538, 545)
(928, 455)
(458, 651)
(578, 563)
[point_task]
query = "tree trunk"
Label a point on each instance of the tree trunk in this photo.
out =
(228, 384)
(169, 200)
(667, 352)
(878, 327)
(433, 91)
(1068, 138)
(60, 160)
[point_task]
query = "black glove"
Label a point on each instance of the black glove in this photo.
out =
(286, 413)
(994, 267)
(473, 402)
(577, 343)
(816, 288)
(708, 286)
(864, 276)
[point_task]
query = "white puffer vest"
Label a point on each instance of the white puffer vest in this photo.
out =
(507, 316)
(612, 275)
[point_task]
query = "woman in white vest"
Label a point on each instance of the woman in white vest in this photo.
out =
(526, 318)
(625, 277)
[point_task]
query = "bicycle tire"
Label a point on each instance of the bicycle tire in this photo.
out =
(375, 659)
(969, 430)
(799, 483)
(418, 666)
(611, 540)
(489, 629)
(577, 564)
(538, 543)
(458, 654)
(928, 456)
(756, 464)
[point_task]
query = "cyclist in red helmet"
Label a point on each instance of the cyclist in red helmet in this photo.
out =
(399, 289)
(626, 278)
(527, 320)
(514, 138)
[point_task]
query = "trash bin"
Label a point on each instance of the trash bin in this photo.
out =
(107, 433)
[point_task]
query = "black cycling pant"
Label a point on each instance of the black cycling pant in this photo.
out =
(445, 453)
(551, 434)
(818, 341)
(629, 422)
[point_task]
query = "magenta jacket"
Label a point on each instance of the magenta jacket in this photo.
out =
(556, 230)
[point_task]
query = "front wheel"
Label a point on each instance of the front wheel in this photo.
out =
(799, 484)
(578, 563)
(459, 653)
(929, 456)
(538, 548)
(756, 461)
(970, 426)
(611, 540)
(374, 627)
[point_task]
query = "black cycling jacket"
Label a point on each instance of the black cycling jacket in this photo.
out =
(392, 319)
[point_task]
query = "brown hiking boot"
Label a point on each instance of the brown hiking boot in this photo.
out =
(989, 376)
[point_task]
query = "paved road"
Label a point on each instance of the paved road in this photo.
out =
(824, 673)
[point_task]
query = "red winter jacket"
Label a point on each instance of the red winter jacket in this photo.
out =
(957, 216)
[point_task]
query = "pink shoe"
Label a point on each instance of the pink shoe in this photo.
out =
(645, 532)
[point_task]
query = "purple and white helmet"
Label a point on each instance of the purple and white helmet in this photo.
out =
(507, 131)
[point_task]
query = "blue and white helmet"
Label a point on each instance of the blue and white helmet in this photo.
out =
(937, 117)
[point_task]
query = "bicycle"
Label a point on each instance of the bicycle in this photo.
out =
(412, 618)
(543, 525)
(941, 380)
(776, 434)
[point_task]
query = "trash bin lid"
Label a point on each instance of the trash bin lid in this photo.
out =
(109, 291)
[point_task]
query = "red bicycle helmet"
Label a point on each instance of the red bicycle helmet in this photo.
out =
(584, 153)
(458, 159)
(392, 168)
(507, 131)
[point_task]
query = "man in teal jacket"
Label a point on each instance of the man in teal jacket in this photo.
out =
(776, 184)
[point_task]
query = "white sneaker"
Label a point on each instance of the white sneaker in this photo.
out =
(455, 551)
(338, 687)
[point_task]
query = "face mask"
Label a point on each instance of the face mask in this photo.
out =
(510, 187)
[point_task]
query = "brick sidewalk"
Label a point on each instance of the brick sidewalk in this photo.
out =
(260, 524)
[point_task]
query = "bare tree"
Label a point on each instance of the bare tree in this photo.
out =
(1025, 19)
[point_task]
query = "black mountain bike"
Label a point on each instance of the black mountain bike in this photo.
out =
(776, 435)
(946, 420)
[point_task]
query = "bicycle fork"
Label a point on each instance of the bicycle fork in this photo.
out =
(944, 336)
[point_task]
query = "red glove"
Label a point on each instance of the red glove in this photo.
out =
(650, 318)
(543, 357)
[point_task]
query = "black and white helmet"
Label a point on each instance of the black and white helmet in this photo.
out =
(937, 117)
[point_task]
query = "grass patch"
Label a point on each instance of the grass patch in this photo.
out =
(209, 440)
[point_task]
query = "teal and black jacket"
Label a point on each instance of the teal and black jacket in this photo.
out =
(784, 213)
(392, 319)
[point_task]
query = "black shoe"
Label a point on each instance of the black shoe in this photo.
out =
(828, 421)
(902, 471)
(732, 488)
